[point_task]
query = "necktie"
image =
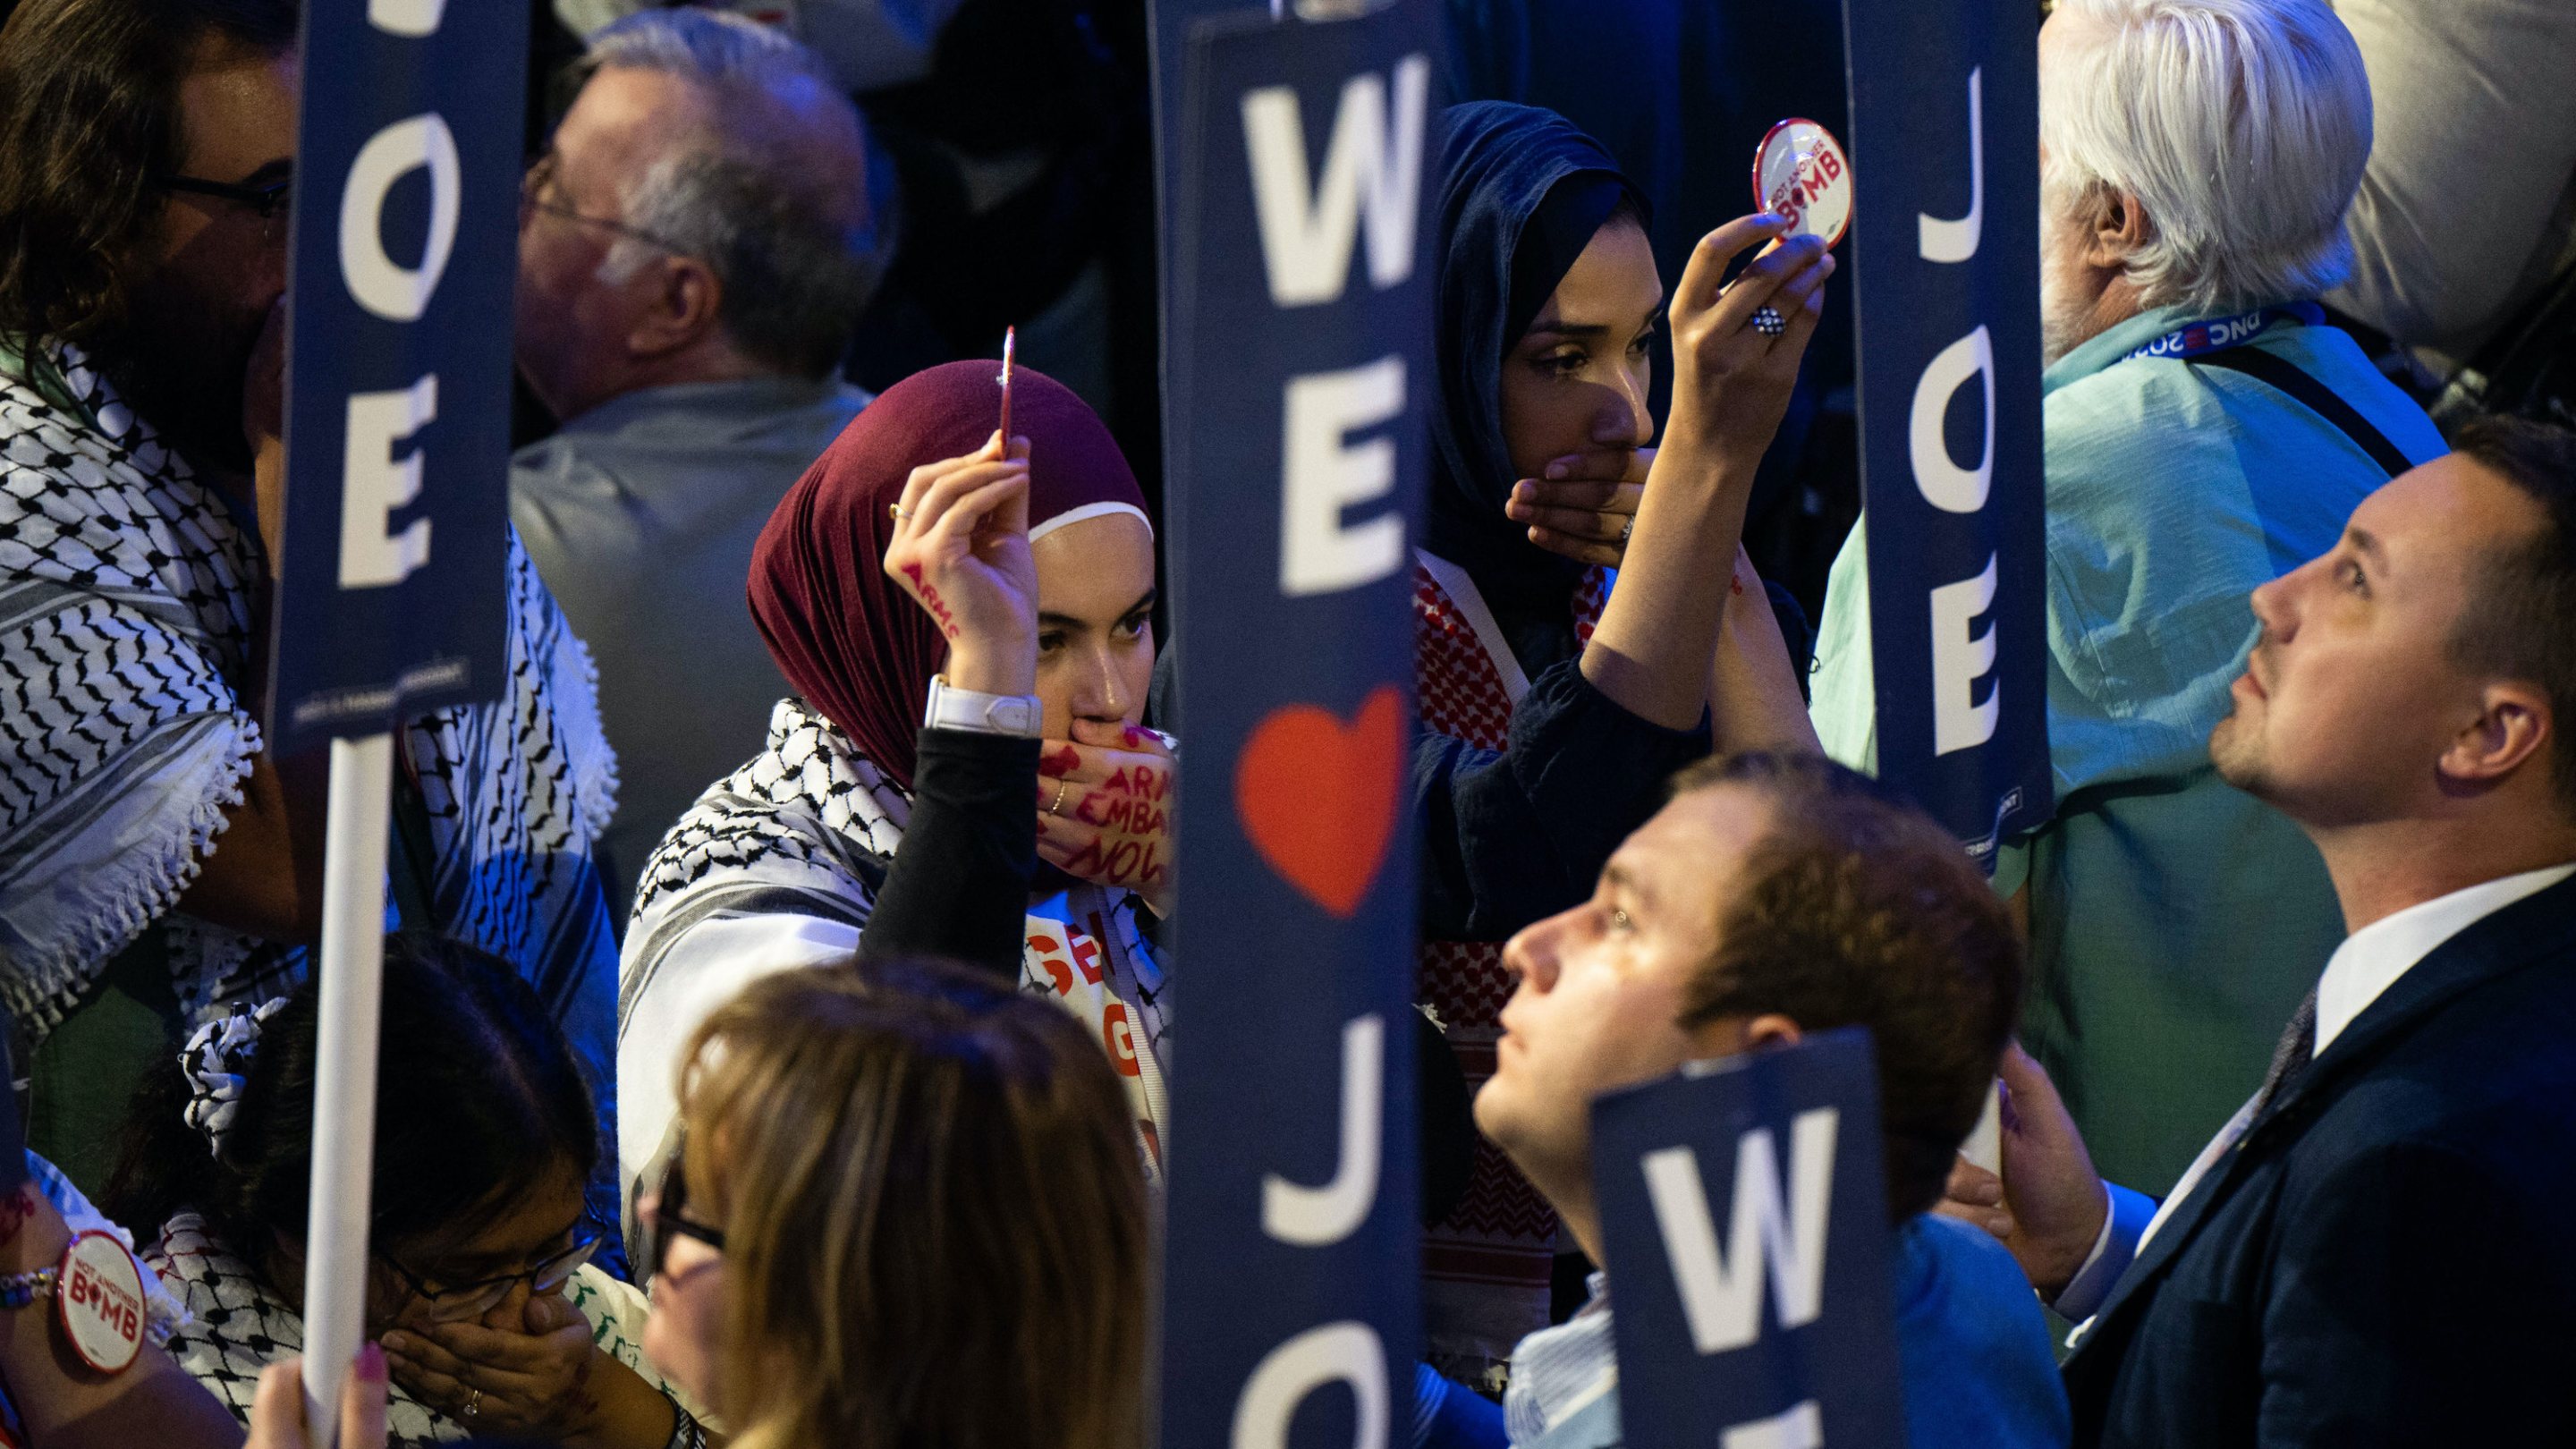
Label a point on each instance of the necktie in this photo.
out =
(2298, 1044)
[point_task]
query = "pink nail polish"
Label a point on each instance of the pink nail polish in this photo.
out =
(371, 1363)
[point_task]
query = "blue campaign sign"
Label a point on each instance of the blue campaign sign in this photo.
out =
(1945, 163)
(1744, 1219)
(1296, 379)
(405, 251)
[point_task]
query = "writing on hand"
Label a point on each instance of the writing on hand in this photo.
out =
(930, 600)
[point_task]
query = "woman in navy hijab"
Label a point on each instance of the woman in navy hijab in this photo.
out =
(1555, 706)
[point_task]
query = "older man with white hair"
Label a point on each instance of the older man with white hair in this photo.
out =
(2204, 432)
(694, 248)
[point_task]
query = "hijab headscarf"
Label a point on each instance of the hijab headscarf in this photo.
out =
(1521, 194)
(852, 643)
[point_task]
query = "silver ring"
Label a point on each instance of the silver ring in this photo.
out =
(473, 1402)
(1769, 322)
(1627, 525)
(1056, 805)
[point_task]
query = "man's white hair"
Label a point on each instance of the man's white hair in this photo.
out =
(2240, 126)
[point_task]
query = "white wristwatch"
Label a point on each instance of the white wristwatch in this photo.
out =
(952, 708)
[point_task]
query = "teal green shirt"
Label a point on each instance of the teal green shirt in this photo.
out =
(2175, 922)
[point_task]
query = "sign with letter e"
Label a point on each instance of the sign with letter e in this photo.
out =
(390, 597)
(1296, 380)
(1746, 1227)
(1945, 295)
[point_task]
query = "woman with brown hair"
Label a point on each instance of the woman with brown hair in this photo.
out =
(906, 1208)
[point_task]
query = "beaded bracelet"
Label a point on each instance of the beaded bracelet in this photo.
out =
(20, 1289)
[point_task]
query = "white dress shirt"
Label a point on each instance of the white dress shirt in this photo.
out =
(2368, 962)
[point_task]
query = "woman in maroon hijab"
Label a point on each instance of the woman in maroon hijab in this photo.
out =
(1018, 589)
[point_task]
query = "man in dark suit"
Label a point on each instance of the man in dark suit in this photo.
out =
(2377, 1249)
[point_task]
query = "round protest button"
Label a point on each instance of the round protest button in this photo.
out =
(1800, 172)
(100, 1300)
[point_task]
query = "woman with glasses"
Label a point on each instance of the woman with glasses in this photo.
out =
(491, 1318)
(905, 1208)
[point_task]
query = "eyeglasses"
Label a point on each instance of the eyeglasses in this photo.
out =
(533, 198)
(665, 1195)
(469, 1300)
(272, 202)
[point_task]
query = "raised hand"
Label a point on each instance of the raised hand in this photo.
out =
(1105, 809)
(1586, 506)
(2049, 1204)
(960, 547)
(1731, 379)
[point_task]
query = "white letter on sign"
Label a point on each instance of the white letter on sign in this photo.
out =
(1315, 1217)
(1959, 660)
(1800, 1428)
(411, 19)
(373, 483)
(1287, 1374)
(1317, 554)
(1306, 230)
(1723, 1306)
(1956, 241)
(398, 293)
(1945, 484)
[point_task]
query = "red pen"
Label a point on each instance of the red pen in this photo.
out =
(1010, 340)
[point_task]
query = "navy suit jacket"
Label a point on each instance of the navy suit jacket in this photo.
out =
(2386, 1257)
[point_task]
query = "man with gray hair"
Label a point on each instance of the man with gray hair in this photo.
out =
(694, 247)
(2204, 432)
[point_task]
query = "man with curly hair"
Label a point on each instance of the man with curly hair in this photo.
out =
(155, 860)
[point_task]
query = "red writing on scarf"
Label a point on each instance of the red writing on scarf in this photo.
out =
(1051, 959)
(930, 600)
(1120, 1038)
(1086, 955)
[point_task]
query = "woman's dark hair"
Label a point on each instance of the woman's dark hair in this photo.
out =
(89, 125)
(478, 1104)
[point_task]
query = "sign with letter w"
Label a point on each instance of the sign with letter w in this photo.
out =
(1777, 1332)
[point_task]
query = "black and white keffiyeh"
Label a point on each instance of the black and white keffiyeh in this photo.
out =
(128, 591)
(809, 828)
(237, 1325)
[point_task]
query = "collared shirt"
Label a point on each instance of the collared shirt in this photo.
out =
(1558, 1372)
(641, 514)
(1972, 1352)
(2175, 920)
(2361, 970)
(2372, 958)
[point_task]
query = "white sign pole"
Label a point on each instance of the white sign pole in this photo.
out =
(344, 1073)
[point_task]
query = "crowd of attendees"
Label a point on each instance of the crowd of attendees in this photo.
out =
(777, 1029)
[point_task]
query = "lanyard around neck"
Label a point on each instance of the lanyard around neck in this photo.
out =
(2216, 334)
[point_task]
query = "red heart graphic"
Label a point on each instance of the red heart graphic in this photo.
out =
(1318, 798)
